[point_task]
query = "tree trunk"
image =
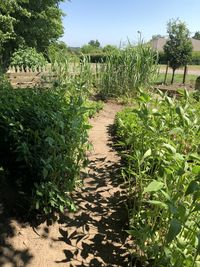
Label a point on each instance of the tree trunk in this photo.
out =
(166, 72)
(173, 72)
(184, 75)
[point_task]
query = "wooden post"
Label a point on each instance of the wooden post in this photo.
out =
(166, 72)
(185, 73)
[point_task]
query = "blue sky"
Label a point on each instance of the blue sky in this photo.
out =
(113, 21)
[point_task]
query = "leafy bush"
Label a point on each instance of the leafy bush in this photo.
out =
(195, 60)
(43, 139)
(93, 107)
(27, 57)
(160, 146)
(4, 82)
(162, 58)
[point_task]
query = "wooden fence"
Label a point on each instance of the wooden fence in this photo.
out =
(42, 76)
(29, 77)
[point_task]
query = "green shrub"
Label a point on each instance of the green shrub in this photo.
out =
(195, 60)
(27, 57)
(43, 139)
(4, 82)
(162, 59)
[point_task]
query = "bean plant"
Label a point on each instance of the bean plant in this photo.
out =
(159, 139)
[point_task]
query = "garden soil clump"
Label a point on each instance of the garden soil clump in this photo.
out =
(92, 236)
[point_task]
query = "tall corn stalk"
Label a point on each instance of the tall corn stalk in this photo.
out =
(127, 70)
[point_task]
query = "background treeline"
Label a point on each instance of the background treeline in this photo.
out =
(195, 59)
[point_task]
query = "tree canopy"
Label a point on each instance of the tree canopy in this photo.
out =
(178, 48)
(30, 23)
(94, 43)
(197, 35)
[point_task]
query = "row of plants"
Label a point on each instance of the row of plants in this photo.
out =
(159, 141)
(44, 135)
(43, 139)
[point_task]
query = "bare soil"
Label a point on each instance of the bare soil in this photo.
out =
(92, 236)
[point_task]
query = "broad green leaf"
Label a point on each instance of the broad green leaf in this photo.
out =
(169, 100)
(192, 187)
(61, 208)
(174, 230)
(37, 205)
(196, 207)
(196, 169)
(194, 156)
(158, 203)
(168, 252)
(146, 155)
(169, 148)
(178, 157)
(167, 196)
(39, 193)
(180, 111)
(154, 186)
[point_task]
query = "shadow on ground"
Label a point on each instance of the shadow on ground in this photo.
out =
(95, 235)
(9, 256)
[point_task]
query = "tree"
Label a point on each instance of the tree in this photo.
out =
(178, 48)
(94, 43)
(197, 35)
(88, 49)
(109, 48)
(30, 23)
(27, 57)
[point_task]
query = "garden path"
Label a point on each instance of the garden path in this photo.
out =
(92, 236)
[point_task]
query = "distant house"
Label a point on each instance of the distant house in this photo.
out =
(159, 42)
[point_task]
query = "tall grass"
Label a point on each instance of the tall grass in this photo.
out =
(68, 71)
(128, 69)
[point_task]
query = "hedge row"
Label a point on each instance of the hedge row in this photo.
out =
(195, 60)
(101, 58)
(95, 58)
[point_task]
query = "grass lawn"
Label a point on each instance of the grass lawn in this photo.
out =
(190, 79)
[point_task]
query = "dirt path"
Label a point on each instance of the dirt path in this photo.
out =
(94, 235)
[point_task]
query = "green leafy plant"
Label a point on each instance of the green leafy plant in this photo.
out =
(160, 147)
(43, 139)
(27, 58)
